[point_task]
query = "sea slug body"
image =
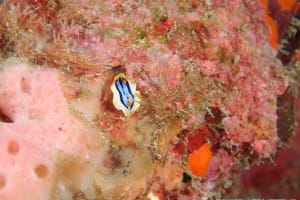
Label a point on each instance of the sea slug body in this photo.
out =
(125, 95)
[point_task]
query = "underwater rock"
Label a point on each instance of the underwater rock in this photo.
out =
(185, 74)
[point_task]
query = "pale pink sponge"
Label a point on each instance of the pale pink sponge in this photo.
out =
(26, 170)
(42, 140)
(33, 99)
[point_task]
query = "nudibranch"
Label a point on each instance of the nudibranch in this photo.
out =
(125, 95)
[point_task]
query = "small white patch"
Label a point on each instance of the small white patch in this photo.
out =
(151, 196)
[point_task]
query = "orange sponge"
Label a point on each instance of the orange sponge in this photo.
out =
(264, 3)
(273, 31)
(272, 26)
(199, 160)
(286, 5)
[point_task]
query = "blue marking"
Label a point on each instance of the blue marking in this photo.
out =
(126, 96)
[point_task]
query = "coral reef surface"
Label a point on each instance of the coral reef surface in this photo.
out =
(137, 99)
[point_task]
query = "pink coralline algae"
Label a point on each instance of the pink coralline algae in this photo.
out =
(205, 74)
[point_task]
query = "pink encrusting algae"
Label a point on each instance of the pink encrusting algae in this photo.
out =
(207, 79)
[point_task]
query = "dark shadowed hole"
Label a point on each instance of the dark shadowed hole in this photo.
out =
(4, 117)
(2, 182)
(186, 178)
(41, 171)
(13, 147)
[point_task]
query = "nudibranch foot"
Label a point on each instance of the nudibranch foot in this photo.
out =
(125, 95)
